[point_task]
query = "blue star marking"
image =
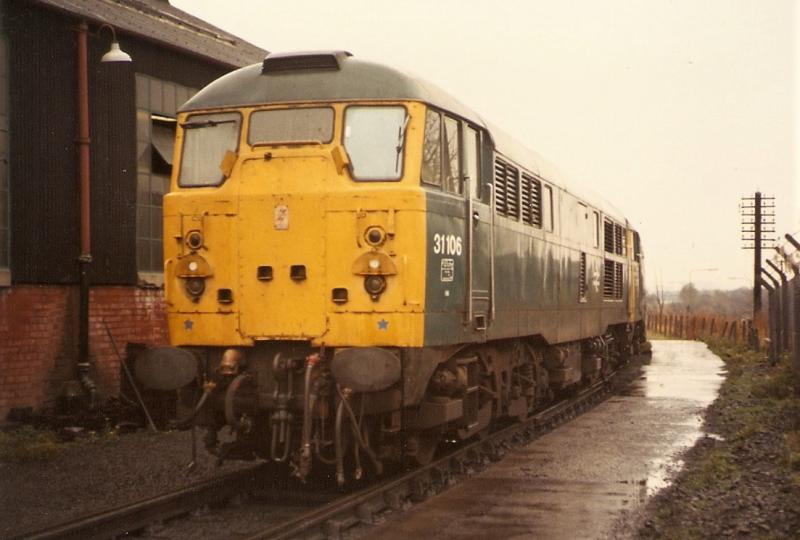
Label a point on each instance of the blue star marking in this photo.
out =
(187, 324)
(383, 324)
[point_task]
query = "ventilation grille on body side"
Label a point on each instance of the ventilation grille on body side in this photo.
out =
(613, 237)
(608, 236)
(531, 200)
(506, 188)
(582, 285)
(613, 280)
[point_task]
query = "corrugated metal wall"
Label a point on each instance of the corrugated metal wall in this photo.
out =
(44, 192)
(113, 172)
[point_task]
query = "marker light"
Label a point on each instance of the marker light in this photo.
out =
(375, 236)
(195, 287)
(374, 285)
(194, 240)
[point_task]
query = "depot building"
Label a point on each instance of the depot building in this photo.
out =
(88, 98)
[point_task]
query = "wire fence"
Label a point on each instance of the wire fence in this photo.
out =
(784, 320)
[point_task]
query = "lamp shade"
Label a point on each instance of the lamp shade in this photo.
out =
(115, 54)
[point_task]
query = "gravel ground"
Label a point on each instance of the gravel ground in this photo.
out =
(95, 475)
(743, 479)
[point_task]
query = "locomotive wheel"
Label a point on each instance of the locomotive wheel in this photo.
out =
(526, 374)
(486, 411)
(426, 444)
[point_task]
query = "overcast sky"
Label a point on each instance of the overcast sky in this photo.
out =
(672, 110)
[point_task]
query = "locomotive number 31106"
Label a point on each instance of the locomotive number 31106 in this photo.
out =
(447, 244)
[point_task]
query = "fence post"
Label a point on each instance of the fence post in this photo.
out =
(783, 306)
(795, 308)
(796, 315)
(752, 335)
(773, 325)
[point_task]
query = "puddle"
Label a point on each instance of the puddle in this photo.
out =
(688, 371)
(685, 371)
(663, 469)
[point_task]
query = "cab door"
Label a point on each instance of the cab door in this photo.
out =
(479, 234)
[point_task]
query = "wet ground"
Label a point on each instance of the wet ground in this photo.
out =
(587, 478)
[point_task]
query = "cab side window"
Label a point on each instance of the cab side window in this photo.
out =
(549, 218)
(452, 168)
(432, 149)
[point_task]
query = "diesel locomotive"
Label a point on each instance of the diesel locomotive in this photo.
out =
(362, 267)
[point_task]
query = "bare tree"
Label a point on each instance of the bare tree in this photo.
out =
(660, 297)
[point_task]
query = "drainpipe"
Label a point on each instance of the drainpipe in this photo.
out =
(85, 258)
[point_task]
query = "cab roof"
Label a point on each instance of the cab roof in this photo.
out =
(321, 76)
(337, 76)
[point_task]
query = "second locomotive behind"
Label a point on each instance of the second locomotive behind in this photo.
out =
(363, 267)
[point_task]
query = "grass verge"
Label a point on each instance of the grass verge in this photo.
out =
(28, 444)
(35, 444)
(743, 479)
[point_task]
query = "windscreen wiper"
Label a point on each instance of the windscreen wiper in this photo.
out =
(206, 123)
(401, 134)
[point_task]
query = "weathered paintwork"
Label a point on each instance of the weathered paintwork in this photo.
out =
(535, 271)
(327, 215)
(536, 290)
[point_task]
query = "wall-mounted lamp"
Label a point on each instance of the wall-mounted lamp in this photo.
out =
(114, 54)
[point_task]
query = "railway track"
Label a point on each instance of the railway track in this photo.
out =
(143, 513)
(332, 519)
(321, 514)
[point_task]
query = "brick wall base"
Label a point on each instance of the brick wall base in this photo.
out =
(39, 338)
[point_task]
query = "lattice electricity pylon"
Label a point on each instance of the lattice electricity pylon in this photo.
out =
(758, 223)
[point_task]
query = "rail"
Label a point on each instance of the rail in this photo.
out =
(119, 521)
